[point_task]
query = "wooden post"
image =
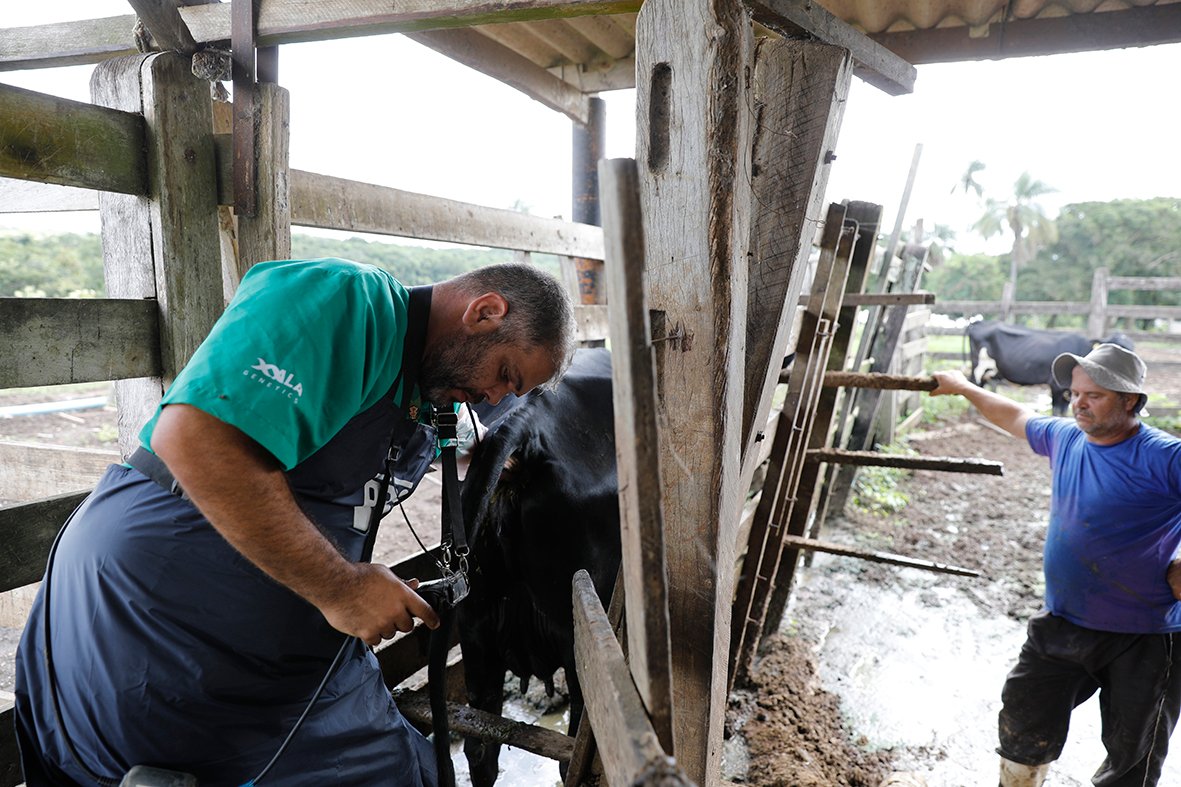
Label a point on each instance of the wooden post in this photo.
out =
(1097, 321)
(163, 246)
(693, 146)
(588, 145)
(637, 446)
(800, 90)
(266, 235)
(1008, 295)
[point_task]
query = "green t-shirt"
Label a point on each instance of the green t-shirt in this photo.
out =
(303, 347)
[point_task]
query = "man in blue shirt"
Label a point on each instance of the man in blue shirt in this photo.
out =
(199, 596)
(1113, 582)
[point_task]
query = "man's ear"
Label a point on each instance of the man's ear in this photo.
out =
(485, 313)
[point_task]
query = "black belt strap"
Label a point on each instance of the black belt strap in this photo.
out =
(154, 468)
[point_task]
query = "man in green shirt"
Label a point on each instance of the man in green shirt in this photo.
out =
(200, 595)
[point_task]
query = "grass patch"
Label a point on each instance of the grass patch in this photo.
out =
(876, 489)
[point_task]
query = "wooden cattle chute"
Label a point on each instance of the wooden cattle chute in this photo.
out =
(735, 136)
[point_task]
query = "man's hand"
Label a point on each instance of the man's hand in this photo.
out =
(1173, 576)
(951, 382)
(377, 605)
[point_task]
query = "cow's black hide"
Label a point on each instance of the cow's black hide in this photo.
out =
(1024, 355)
(551, 511)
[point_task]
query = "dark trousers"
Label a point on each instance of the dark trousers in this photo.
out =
(1138, 677)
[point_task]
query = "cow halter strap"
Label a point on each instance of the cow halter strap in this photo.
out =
(453, 538)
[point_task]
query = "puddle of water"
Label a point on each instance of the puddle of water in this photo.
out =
(921, 666)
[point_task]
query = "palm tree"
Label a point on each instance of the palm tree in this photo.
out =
(968, 182)
(1031, 227)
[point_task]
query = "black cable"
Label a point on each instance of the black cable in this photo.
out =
(307, 709)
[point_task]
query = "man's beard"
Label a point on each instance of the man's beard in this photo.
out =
(452, 365)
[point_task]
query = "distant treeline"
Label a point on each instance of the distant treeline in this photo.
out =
(58, 266)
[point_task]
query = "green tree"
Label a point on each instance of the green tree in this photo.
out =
(1032, 229)
(967, 277)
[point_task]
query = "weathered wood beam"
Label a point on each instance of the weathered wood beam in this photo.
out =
(800, 88)
(1144, 283)
(619, 75)
(815, 545)
(285, 22)
(885, 299)
(1135, 26)
(893, 382)
(693, 145)
(55, 140)
(162, 19)
(470, 722)
(637, 445)
(28, 531)
(32, 471)
(336, 203)
(627, 743)
(28, 196)
(52, 341)
(498, 61)
(879, 459)
(876, 64)
(266, 235)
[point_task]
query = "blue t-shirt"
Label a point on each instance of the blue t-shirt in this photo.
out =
(1115, 524)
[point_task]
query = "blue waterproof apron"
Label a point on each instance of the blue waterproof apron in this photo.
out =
(171, 649)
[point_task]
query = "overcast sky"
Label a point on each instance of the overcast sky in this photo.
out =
(1095, 126)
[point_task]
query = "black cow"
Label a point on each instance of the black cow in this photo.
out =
(999, 351)
(540, 502)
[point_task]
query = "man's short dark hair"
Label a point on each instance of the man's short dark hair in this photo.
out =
(540, 313)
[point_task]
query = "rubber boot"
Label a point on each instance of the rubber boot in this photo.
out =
(1014, 774)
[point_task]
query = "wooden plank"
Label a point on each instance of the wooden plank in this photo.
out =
(336, 203)
(55, 140)
(627, 743)
(26, 196)
(876, 64)
(800, 89)
(32, 471)
(879, 459)
(884, 298)
(1147, 283)
(1081, 32)
(694, 141)
(52, 341)
(1115, 310)
(166, 246)
(66, 43)
(267, 234)
(498, 61)
(470, 722)
(26, 532)
(637, 445)
(814, 545)
(162, 19)
(10, 766)
(619, 75)
(609, 37)
(284, 22)
(591, 323)
(520, 38)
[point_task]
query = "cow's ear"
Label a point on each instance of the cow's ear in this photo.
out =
(485, 313)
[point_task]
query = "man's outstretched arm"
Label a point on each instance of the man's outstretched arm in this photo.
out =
(1003, 412)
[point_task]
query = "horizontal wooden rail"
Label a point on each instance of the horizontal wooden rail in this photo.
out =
(628, 745)
(815, 545)
(52, 341)
(26, 532)
(876, 380)
(1144, 283)
(54, 140)
(465, 720)
(883, 299)
(879, 459)
(32, 471)
(281, 22)
(29, 196)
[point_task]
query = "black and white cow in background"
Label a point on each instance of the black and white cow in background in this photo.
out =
(540, 501)
(1000, 351)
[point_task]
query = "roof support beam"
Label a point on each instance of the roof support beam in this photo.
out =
(498, 61)
(1143, 26)
(876, 64)
(162, 19)
(284, 22)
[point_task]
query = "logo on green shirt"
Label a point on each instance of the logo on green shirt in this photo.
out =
(279, 376)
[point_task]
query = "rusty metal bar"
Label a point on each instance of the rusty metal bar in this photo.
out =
(812, 545)
(879, 459)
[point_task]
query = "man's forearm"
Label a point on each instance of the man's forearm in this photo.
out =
(1000, 410)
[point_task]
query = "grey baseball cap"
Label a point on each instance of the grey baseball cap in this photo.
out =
(1109, 365)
